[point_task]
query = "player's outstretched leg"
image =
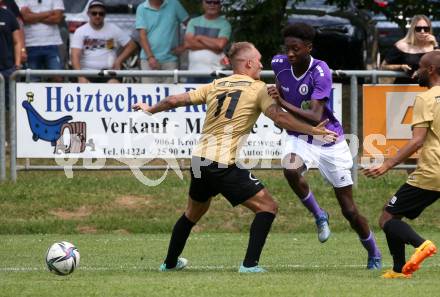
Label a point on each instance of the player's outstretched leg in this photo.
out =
(360, 225)
(194, 211)
(401, 232)
(293, 169)
(425, 250)
(265, 209)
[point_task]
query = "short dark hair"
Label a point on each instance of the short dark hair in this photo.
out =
(302, 31)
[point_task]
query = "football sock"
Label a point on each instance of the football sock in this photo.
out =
(180, 234)
(404, 232)
(397, 249)
(310, 203)
(370, 245)
(260, 227)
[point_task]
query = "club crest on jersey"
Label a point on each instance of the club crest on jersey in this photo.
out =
(303, 89)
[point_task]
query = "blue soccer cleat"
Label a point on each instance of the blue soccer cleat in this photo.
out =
(323, 227)
(374, 263)
(181, 263)
(254, 269)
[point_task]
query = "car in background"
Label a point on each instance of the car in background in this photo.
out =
(389, 32)
(345, 38)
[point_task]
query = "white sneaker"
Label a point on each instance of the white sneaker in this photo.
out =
(181, 263)
(323, 227)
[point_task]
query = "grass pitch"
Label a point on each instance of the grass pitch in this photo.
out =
(127, 265)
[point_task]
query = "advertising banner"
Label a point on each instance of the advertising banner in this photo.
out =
(96, 121)
(387, 116)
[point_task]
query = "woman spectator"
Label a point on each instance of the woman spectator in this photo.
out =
(406, 53)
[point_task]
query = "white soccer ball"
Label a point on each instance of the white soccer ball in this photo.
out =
(62, 258)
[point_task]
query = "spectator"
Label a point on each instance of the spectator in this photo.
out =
(42, 35)
(406, 53)
(206, 38)
(12, 7)
(133, 47)
(94, 44)
(10, 46)
(157, 22)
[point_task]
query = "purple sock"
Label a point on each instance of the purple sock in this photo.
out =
(310, 203)
(370, 245)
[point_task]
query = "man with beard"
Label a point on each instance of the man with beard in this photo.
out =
(423, 186)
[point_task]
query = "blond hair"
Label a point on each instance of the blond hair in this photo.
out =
(410, 37)
(238, 51)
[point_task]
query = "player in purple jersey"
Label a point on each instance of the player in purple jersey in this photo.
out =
(303, 88)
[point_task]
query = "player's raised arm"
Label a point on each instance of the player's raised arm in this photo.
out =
(287, 121)
(168, 103)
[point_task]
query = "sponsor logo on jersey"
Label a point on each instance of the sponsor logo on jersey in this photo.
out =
(277, 60)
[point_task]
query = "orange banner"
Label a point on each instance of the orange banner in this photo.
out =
(387, 116)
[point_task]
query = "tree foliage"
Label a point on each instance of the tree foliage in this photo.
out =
(261, 21)
(257, 21)
(398, 11)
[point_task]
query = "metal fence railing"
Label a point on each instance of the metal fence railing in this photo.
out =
(2, 130)
(176, 74)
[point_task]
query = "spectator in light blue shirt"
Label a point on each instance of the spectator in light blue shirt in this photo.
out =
(158, 22)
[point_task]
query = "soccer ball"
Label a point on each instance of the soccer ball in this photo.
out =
(62, 258)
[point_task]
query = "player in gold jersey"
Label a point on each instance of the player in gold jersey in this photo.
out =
(234, 103)
(423, 185)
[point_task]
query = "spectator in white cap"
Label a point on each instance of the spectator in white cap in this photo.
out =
(94, 45)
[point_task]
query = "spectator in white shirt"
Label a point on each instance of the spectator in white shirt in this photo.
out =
(42, 35)
(94, 45)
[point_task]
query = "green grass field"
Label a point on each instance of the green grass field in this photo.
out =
(126, 265)
(122, 230)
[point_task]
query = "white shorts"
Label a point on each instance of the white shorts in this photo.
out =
(334, 162)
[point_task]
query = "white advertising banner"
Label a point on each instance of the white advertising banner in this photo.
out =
(96, 121)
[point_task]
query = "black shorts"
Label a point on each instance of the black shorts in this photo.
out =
(236, 184)
(410, 201)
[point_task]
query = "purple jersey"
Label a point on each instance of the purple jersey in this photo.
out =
(315, 83)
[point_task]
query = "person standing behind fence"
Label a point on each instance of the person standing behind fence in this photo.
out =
(12, 7)
(422, 187)
(10, 58)
(206, 38)
(406, 53)
(158, 22)
(94, 44)
(42, 35)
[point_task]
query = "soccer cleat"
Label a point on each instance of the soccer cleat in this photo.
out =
(181, 263)
(374, 263)
(425, 250)
(323, 227)
(392, 274)
(254, 269)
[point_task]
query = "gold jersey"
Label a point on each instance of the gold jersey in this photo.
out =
(234, 104)
(427, 115)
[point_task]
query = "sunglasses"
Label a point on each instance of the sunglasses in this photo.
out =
(424, 28)
(95, 13)
(212, 2)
